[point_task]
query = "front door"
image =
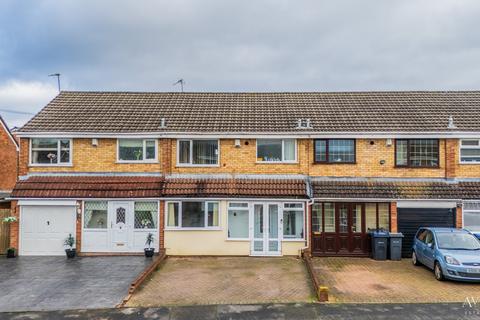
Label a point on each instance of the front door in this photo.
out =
(120, 225)
(349, 228)
(267, 229)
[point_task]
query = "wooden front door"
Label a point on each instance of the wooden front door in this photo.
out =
(339, 229)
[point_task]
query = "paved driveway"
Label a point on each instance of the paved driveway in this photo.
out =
(55, 283)
(358, 280)
(224, 280)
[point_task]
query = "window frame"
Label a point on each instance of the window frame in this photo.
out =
(144, 142)
(327, 142)
(205, 210)
(58, 164)
(84, 205)
(283, 152)
(190, 164)
(408, 155)
(304, 225)
(460, 147)
(158, 216)
(247, 208)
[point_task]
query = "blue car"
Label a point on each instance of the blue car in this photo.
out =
(451, 253)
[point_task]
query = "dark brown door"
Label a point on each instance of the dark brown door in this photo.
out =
(339, 229)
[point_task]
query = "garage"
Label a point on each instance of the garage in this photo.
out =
(410, 219)
(43, 228)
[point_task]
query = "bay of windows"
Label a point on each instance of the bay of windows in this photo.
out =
(335, 151)
(417, 153)
(276, 150)
(198, 152)
(137, 150)
(192, 214)
(48, 151)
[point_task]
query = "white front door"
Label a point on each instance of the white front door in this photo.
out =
(266, 225)
(121, 224)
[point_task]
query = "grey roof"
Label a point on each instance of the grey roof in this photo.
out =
(128, 112)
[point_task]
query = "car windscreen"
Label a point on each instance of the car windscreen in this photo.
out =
(457, 241)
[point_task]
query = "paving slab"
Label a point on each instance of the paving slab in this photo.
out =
(55, 283)
(362, 280)
(225, 280)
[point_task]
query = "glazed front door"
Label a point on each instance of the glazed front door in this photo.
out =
(120, 225)
(267, 226)
(349, 228)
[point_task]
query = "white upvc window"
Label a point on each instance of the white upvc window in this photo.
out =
(137, 150)
(192, 215)
(238, 221)
(293, 221)
(50, 152)
(470, 151)
(277, 150)
(198, 152)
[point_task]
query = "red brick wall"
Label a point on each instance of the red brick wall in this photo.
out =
(451, 148)
(393, 217)
(14, 227)
(8, 161)
(459, 217)
(23, 157)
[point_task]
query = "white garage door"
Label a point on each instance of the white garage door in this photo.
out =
(43, 229)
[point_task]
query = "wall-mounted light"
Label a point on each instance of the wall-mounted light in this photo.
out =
(389, 142)
(237, 143)
(94, 142)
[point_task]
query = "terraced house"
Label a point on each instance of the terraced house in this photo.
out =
(245, 173)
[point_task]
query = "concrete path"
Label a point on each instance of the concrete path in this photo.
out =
(261, 312)
(55, 283)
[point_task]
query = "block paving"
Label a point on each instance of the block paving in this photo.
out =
(361, 280)
(225, 280)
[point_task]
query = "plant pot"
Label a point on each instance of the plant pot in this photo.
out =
(149, 252)
(71, 253)
(10, 253)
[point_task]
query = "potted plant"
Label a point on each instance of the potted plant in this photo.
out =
(11, 252)
(149, 251)
(70, 251)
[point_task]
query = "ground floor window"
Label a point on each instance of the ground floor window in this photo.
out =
(192, 214)
(293, 221)
(146, 214)
(96, 215)
(471, 216)
(377, 216)
(238, 216)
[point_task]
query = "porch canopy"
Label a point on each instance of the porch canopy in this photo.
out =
(80, 187)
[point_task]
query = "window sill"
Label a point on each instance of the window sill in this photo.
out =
(136, 162)
(50, 165)
(474, 163)
(332, 163)
(193, 229)
(410, 167)
(178, 165)
(276, 162)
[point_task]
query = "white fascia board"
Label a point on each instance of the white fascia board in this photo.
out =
(48, 202)
(251, 135)
(403, 201)
(426, 204)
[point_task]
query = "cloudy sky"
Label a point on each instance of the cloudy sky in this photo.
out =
(219, 45)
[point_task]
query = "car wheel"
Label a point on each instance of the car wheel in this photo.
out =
(414, 259)
(437, 270)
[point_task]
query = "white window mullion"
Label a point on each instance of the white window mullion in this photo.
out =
(283, 150)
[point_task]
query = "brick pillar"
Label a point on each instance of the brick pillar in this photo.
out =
(166, 156)
(14, 226)
(23, 157)
(393, 217)
(451, 147)
(161, 222)
(78, 227)
(459, 217)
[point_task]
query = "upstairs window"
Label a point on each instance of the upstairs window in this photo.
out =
(276, 150)
(137, 150)
(417, 153)
(197, 152)
(46, 151)
(470, 151)
(335, 151)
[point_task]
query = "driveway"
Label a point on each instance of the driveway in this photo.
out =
(55, 283)
(363, 280)
(225, 280)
